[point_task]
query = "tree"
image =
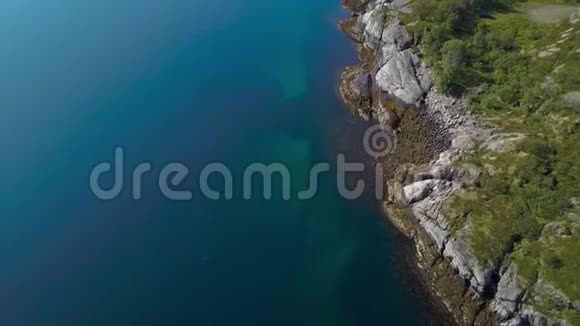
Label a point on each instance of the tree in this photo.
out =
(453, 66)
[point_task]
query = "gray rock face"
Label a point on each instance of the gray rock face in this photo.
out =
(395, 38)
(461, 256)
(508, 296)
(371, 25)
(398, 78)
(418, 191)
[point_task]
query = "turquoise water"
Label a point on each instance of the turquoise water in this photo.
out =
(195, 82)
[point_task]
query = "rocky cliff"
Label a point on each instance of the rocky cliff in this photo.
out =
(392, 85)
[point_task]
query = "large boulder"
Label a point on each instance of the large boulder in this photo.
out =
(398, 78)
(418, 190)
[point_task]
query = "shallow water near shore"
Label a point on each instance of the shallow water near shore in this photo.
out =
(194, 82)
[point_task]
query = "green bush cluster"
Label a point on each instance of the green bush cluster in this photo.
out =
(484, 56)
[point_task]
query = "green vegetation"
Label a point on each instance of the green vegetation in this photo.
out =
(515, 72)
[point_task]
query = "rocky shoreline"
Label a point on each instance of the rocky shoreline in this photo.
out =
(434, 132)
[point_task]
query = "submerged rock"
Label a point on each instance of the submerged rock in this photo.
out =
(349, 27)
(355, 90)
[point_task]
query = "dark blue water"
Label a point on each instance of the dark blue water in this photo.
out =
(195, 82)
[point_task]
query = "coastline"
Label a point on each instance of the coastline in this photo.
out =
(422, 139)
(393, 86)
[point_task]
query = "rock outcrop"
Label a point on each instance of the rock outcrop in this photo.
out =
(389, 82)
(398, 79)
(510, 292)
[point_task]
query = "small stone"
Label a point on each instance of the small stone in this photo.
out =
(504, 142)
(572, 100)
(490, 169)
(575, 17)
(558, 229)
(469, 174)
